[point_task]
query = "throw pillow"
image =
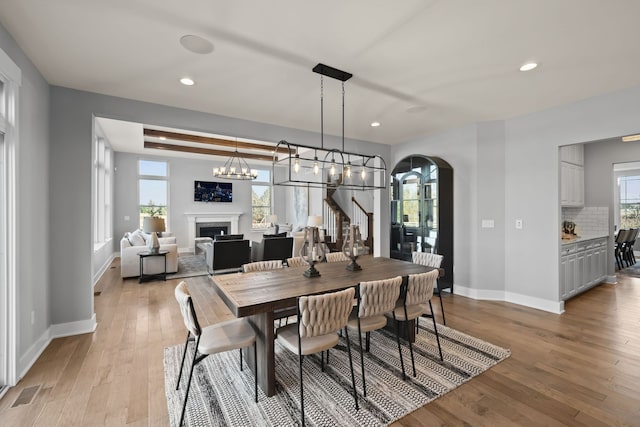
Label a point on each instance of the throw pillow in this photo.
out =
(136, 238)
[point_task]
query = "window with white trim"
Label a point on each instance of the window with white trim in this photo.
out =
(261, 200)
(102, 197)
(153, 189)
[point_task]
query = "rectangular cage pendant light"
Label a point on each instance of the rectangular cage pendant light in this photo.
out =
(308, 166)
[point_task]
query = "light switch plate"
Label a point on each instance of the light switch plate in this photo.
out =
(127, 218)
(487, 223)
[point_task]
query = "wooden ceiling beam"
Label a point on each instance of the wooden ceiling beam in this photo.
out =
(208, 151)
(154, 133)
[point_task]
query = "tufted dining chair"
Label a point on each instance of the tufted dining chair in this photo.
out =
(336, 257)
(218, 338)
(417, 294)
(262, 266)
(375, 298)
(320, 317)
(297, 262)
(430, 260)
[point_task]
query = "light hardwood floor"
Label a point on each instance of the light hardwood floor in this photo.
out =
(578, 368)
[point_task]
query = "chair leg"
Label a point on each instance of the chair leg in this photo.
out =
(368, 341)
(255, 369)
(322, 361)
(404, 375)
(184, 354)
(413, 363)
(240, 359)
(444, 321)
(364, 384)
(353, 377)
(301, 386)
(186, 396)
(327, 357)
(417, 325)
(435, 329)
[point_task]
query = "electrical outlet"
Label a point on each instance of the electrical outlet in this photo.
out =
(519, 224)
(127, 217)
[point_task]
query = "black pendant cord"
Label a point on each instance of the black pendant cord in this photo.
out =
(321, 111)
(342, 116)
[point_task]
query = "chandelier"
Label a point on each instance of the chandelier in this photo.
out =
(235, 168)
(309, 166)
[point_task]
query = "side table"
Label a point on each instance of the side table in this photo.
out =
(147, 254)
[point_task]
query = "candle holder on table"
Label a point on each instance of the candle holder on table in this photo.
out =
(354, 247)
(312, 250)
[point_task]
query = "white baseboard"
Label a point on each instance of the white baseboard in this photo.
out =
(104, 267)
(55, 331)
(556, 307)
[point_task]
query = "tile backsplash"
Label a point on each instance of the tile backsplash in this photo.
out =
(589, 220)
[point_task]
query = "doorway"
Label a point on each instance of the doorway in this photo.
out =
(421, 194)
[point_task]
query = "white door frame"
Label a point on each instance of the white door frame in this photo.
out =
(11, 77)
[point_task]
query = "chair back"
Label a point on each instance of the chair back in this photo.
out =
(296, 262)
(426, 258)
(631, 238)
(621, 236)
(378, 296)
(262, 266)
(186, 308)
(324, 314)
(420, 287)
(336, 257)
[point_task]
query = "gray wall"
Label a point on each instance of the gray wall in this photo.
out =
(71, 136)
(182, 173)
(33, 275)
(528, 190)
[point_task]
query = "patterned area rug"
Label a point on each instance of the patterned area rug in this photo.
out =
(190, 266)
(221, 394)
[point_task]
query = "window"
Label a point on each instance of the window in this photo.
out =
(153, 189)
(629, 201)
(102, 192)
(261, 200)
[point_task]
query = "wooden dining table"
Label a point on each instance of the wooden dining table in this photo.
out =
(259, 294)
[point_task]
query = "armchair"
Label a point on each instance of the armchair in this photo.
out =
(226, 254)
(275, 248)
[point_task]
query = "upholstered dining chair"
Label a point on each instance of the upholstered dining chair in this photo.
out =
(320, 317)
(336, 257)
(297, 262)
(418, 292)
(262, 266)
(375, 298)
(218, 338)
(430, 260)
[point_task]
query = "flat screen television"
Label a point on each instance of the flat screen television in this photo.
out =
(205, 191)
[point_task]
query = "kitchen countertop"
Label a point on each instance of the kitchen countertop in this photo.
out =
(584, 237)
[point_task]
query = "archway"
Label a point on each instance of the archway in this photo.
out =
(422, 210)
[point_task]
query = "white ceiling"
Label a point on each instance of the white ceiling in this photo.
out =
(419, 66)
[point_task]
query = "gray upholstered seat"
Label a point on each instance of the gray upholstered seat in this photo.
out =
(418, 292)
(320, 317)
(375, 298)
(430, 260)
(220, 337)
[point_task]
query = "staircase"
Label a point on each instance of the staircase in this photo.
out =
(338, 222)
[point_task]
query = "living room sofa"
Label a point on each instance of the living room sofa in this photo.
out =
(133, 243)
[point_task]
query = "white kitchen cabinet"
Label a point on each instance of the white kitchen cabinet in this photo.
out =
(571, 184)
(572, 175)
(582, 266)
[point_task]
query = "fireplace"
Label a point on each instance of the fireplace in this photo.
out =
(211, 219)
(211, 229)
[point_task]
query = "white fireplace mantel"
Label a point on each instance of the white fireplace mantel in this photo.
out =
(193, 218)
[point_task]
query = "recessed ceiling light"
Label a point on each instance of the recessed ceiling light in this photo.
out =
(631, 138)
(162, 137)
(196, 44)
(528, 66)
(375, 124)
(187, 81)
